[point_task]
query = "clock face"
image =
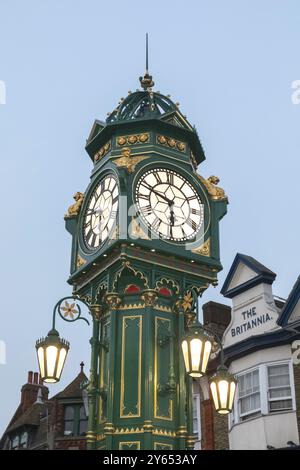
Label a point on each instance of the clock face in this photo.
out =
(169, 205)
(100, 213)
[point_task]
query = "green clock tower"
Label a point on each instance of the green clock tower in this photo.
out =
(145, 234)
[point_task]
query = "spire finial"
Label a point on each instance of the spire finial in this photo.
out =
(147, 70)
(81, 366)
(146, 80)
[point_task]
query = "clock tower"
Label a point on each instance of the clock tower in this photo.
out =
(145, 234)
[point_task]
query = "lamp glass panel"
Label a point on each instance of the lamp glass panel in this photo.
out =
(186, 355)
(214, 392)
(196, 348)
(41, 361)
(206, 354)
(61, 361)
(51, 358)
(223, 386)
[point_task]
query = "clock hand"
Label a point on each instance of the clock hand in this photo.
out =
(163, 197)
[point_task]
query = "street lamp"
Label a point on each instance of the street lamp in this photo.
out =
(222, 386)
(52, 350)
(196, 348)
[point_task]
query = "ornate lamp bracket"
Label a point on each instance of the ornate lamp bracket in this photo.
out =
(70, 311)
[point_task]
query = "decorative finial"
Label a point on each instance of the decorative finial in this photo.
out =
(146, 80)
(81, 366)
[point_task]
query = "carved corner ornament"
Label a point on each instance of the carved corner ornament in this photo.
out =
(213, 189)
(80, 261)
(136, 230)
(127, 161)
(204, 249)
(113, 300)
(149, 297)
(74, 209)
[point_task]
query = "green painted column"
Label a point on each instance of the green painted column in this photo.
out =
(93, 385)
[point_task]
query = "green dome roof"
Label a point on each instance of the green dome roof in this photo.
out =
(140, 105)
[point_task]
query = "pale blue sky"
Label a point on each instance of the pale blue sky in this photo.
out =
(230, 65)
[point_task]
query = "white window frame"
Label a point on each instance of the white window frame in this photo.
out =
(257, 410)
(196, 397)
(235, 417)
(292, 387)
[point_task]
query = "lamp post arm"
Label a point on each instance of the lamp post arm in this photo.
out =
(218, 340)
(68, 312)
(205, 328)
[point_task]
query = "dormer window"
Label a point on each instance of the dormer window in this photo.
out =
(75, 421)
(19, 441)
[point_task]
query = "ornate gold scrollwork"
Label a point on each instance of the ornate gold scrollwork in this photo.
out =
(127, 161)
(204, 249)
(127, 265)
(74, 209)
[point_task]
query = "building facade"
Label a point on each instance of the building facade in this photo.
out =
(261, 346)
(40, 423)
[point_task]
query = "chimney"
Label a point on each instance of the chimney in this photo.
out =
(29, 391)
(216, 316)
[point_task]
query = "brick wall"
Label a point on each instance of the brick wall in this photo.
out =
(221, 438)
(217, 317)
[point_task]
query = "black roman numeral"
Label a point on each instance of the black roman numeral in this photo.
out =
(191, 223)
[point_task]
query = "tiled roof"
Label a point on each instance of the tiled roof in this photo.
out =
(73, 390)
(31, 417)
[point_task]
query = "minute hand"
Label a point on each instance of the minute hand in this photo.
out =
(170, 203)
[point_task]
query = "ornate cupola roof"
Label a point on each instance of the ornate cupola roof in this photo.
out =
(142, 104)
(142, 110)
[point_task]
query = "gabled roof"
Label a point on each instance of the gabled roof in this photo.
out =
(290, 304)
(74, 389)
(31, 417)
(97, 127)
(258, 273)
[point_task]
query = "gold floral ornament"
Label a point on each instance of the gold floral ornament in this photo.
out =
(187, 302)
(102, 152)
(74, 209)
(127, 161)
(69, 310)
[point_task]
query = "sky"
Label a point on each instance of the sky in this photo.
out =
(65, 63)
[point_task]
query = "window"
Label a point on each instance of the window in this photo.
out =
(75, 421)
(249, 394)
(279, 388)
(14, 443)
(69, 421)
(82, 421)
(196, 418)
(267, 389)
(23, 440)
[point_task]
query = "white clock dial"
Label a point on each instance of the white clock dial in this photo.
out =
(101, 212)
(169, 204)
